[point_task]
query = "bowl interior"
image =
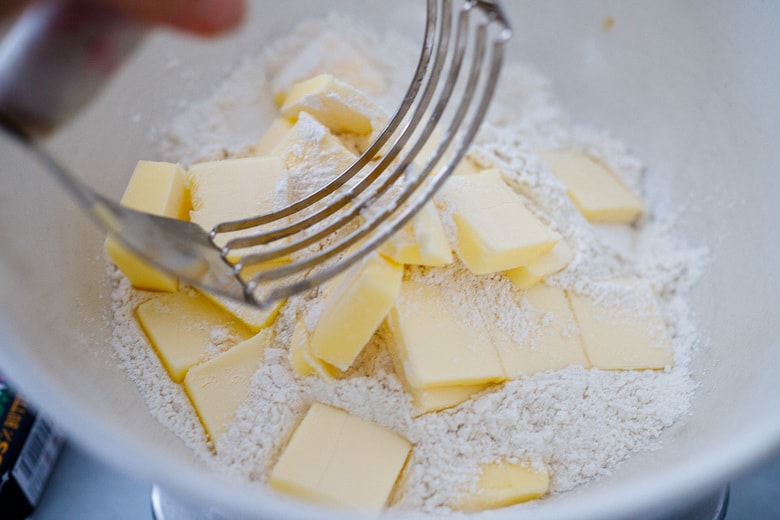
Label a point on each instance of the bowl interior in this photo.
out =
(687, 86)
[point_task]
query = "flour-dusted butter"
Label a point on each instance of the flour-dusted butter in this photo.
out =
(272, 136)
(595, 190)
(549, 263)
(422, 241)
(624, 331)
(435, 399)
(329, 53)
(553, 340)
(161, 189)
(253, 317)
(233, 189)
(495, 231)
(312, 155)
(337, 105)
(301, 358)
(337, 459)
(219, 386)
(183, 327)
(436, 344)
(356, 303)
(503, 483)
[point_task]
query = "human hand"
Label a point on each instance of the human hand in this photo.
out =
(199, 16)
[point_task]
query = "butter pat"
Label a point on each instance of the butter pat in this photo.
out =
(219, 386)
(184, 326)
(595, 190)
(357, 302)
(328, 53)
(253, 318)
(547, 264)
(335, 104)
(302, 360)
(233, 189)
(312, 155)
(161, 189)
(435, 399)
(438, 345)
(554, 341)
(273, 136)
(495, 231)
(502, 484)
(422, 241)
(337, 459)
(624, 332)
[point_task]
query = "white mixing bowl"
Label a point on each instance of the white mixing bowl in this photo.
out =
(692, 87)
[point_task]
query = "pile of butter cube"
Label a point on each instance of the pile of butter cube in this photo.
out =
(443, 358)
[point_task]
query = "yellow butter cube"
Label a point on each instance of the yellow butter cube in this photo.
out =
(161, 189)
(219, 386)
(554, 340)
(273, 136)
(355, 305)
(422, 241)
(503, 484)
(335, 104)
(495, 231)
(625, 330)
(435, 399)
(337, 459)
(233, 189)
(467, 167)
(547, 264)
(312, 155)
(595, 190)
(328, 53)
(184, 326)
(438, 346)
(253, 318)
(302, 360)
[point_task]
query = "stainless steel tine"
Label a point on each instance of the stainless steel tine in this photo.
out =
(370, 179)
(484, 85)
(365, 158)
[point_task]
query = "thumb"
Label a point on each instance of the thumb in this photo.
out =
(199, 16)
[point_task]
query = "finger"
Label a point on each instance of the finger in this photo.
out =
(199, 16)
(10, 6)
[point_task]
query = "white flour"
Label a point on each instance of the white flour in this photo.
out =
(580, 423)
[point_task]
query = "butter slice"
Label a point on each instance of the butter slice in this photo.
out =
(233, 189)
(183, 326)
(254, 318)
(422, 241)
(495, 231)
(272, 136)
(503, 484)
(356, 304)
(161, 189)
(436, 399)
(219, 386)
(624, 332)
(554, 341)
(436, 344)
(312, 155)
(595, 190)
(467, 167)
(335, 104)
(547, 264)
(337, 459)
(328, 53)
(302, 360)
